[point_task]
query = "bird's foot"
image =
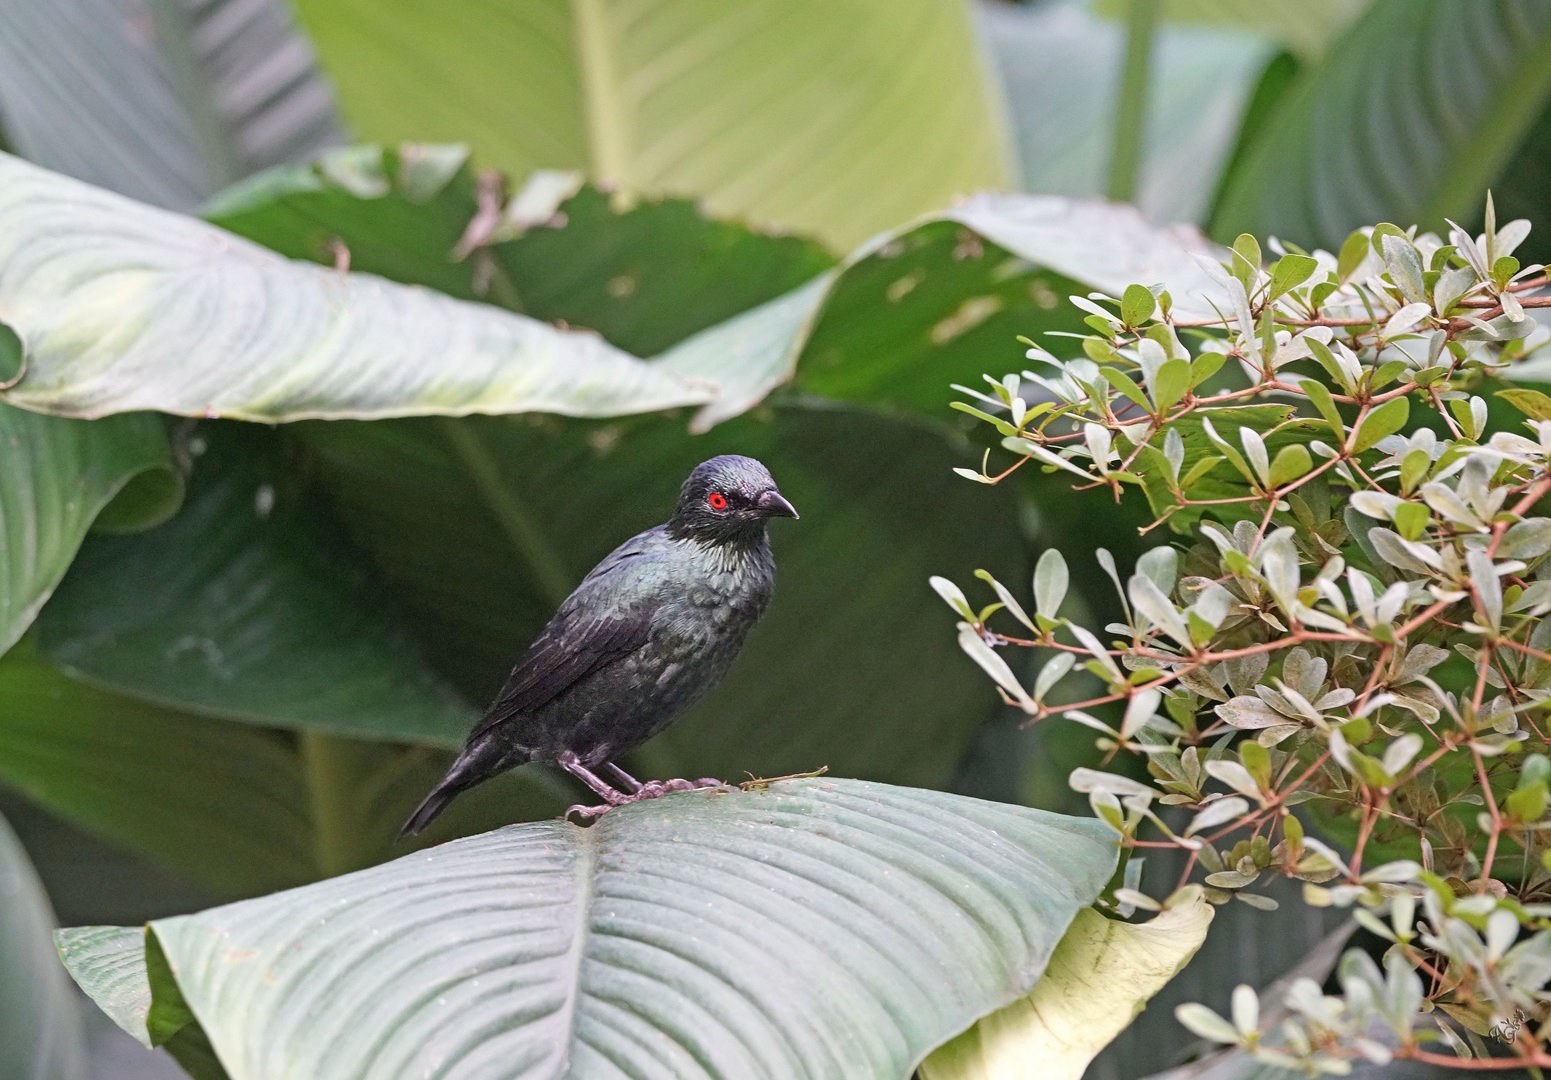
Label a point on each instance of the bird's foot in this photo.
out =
(585, 812)
(652, 789)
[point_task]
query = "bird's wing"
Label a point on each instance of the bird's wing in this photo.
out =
(575, 643)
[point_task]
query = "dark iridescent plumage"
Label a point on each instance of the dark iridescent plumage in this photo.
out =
(653, 627)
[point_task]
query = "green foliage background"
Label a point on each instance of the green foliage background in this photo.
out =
(271, 639)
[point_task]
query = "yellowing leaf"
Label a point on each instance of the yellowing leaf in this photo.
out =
(1532, 403)
(1099, 978)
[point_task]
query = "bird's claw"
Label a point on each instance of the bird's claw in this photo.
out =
(586, 812)
(652, 789)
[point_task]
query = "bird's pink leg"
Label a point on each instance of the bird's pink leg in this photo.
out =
(613, 797)
(630, 783)
(610, 796)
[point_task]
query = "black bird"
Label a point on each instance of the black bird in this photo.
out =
(653, 627)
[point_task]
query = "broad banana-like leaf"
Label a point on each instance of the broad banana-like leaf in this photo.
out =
(223, 802)
(215, 326)
(1059, 67)
(476, 529)
(1099, 978)
(111, 961)
(650, 276)
(248, 606)
(162, 100)
(57, 477)
(814, 927)
(1411, 115)
(40, 1023)
(835, 117)
(645, 274)
(239, 810)
(925, 305)
(121, 307)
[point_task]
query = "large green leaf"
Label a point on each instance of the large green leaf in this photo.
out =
(1524, 191)
(481, 527)
(220, 327)
(238, 809)
(40, 1025)
(905, 315)
(57, 476)
(223, 802)
(816, 927)
(164, 102)
(1411, 115)
(645, 276)
(123, 307)
(917, 309)
(110, 963)
(247, 606)
(837, 117)
(1059, 68)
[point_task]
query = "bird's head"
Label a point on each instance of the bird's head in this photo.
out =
(728, 498)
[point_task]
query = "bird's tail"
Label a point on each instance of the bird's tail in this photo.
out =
(479, 761)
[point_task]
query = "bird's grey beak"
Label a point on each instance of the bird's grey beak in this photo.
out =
(774, 505)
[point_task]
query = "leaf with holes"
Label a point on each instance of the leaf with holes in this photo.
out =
(821, 908)
(645, 276)
(223, 328)
(902, 315)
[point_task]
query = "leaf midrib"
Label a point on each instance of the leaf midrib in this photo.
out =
(602, 103)
(585, 848)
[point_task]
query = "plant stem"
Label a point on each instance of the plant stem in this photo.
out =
(1131, 108)
(328, 798)
(527, 539)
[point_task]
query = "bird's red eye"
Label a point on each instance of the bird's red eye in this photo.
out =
(717, 500)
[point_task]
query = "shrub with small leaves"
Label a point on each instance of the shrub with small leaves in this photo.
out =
(1351, 620)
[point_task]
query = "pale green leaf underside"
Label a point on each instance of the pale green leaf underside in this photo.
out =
(836, 117)
(1101, 976)
(40, 1027)
(817, 928)
(121, 307)
(108, 962)
(56, 476)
